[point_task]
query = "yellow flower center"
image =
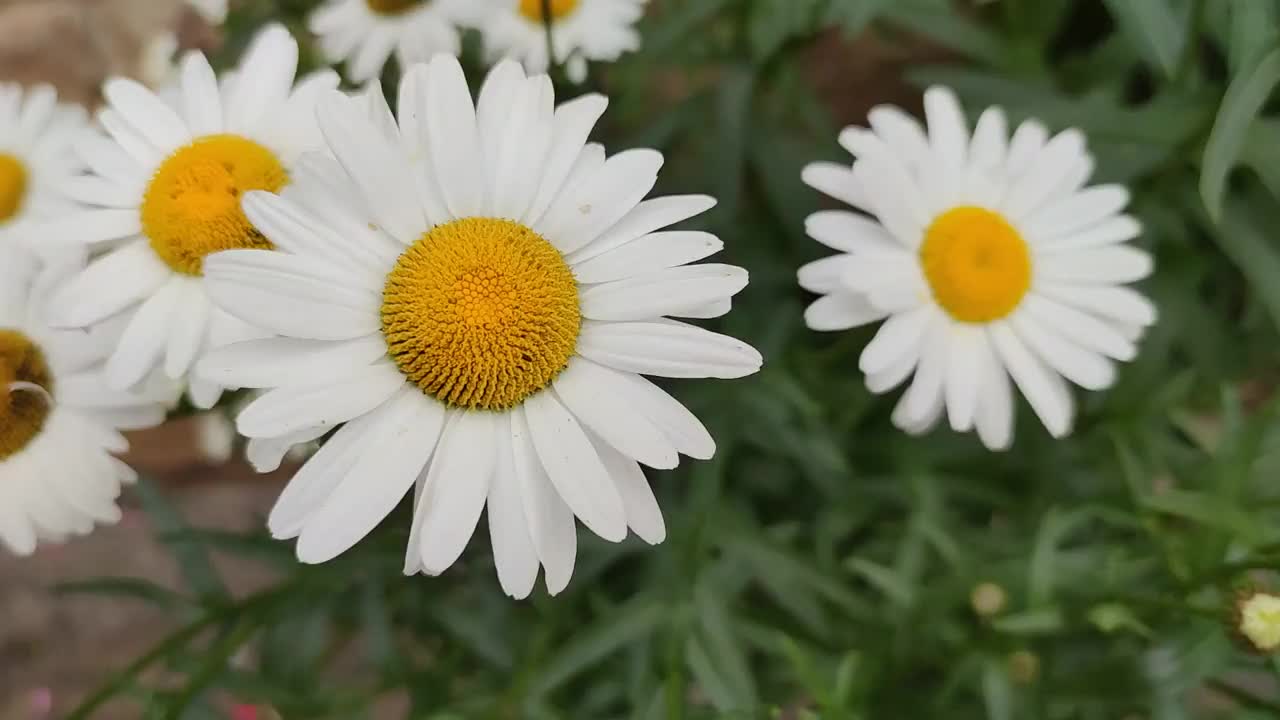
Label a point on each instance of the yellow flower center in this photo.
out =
(13, 186)
(392, 7)
(22, 412)
(481, 313)
(192, 206)
(532, 9)
(1260, 621)
(977, 264)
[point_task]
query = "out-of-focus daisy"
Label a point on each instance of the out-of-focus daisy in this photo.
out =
(581, 31)
(990, 259)
(365, 33)
(59, 422)
(213, 11)
(165, 192)
(37, 158)
(475, 291)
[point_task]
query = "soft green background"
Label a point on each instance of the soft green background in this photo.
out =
(821, 566)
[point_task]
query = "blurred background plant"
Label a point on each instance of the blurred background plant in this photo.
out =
(824, 565)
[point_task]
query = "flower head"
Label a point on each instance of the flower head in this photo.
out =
(365, 33)
(164, 193)
(1257, 620)
(470, 293)
(581, 31)
(986, 257)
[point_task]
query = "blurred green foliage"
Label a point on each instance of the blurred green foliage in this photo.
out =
(821, 566)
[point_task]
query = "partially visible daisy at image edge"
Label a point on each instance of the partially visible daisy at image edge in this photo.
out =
(366, 33)
(987, 257)
(38, 135)
(164, 191)
(59, 422)
(471, 294)
(582, 31)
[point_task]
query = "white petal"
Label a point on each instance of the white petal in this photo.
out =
(455, 137)
(275, 362)
(293, 229)
(574, 467)
(995, 407)
(551, 524)
(378, 480)
(892, 193)
(1043, 388)
(895, 339)
(290, 295)
(902, 132)
(653, 252)
(266, 455)
(666, 292)
(667, 349)
(598, 397)
(948, 130)
(290, 409)
(575, 219)
(145, 337)
(109, 285)
(90, 227)
(573, 123)
(201, 101)
(840, 311)
(1108, 265)
(1034, 188)
(380, 171)
(1080, 327)
(647, 217)
(1081, 366)
(513, 550)
(967, 356)
(1079, 211)
(1028, 140)
(849, 232)
(644, 516)
(835, 180)
(1121, 304)
(990, 139)
(264, 79)
(148, 114)
(189, 329)
(456, 489)
(1109, 232)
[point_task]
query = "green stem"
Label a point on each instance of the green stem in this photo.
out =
(547, 21)
(1245, 698)
(215, 662)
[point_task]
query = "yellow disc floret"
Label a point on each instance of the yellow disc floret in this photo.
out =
(977, 264)
(532, 9)
(13, 186)
(192, 206)
(392, 7)
(481, 313)
(22, 412)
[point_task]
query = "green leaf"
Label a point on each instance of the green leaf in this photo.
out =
(123, 587)
(884, 579)
(1246, 235)
(997, 691)
(1208, 511)
(1255, 27)
(608, 636)
(951, 29)
(1154, 28)
(723, 647)
(1053, 530)
(1045, 621)
(1248, 92)
(193, 559)
(773, 22)
(854, 15)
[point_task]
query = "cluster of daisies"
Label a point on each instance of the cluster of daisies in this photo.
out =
(460, 300)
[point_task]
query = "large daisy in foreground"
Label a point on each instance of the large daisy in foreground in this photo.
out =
(37, 159)
(365, 33)
(59, 422)
(165, 192)
(475, 291)
(990, 259)
(581, 31)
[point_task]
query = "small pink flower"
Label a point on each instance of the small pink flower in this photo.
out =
(244, 712)
(41, 702)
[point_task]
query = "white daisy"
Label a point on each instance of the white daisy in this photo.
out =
(581, 31)
(475, 290)
(59, 423)
(989, 257)
(165, 191)
(364, 33)
(37, 158)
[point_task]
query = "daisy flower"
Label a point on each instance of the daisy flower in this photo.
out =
(581, 30)
(364, 33)
(37, 159)
(165, 191)
(475, 291)
(987, 257)
(59, 423)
